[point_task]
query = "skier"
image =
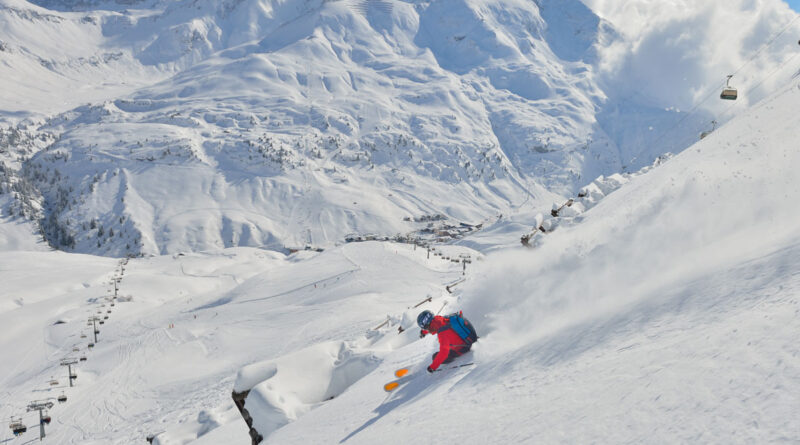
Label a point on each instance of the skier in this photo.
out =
(455, 333)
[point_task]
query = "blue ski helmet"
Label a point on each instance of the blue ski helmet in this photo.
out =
(424, 319)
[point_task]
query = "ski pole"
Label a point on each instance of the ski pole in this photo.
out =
(453, 367)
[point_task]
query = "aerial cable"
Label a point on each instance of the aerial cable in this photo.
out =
(713, 91)
(763, 79)
(769, 43)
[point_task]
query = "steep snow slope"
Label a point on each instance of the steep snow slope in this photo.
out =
(669, 314)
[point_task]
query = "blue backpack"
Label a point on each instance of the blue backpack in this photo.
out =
(462, 327)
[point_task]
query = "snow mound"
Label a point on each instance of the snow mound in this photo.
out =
(290, 386)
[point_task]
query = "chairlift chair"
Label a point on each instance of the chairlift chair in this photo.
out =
(83, 358)
(729, 92)
(91, 345)
(102, 322)
(83, 335)
(706, 133)
(53, 382)
(17, 426)
(46, 419)
(62, 398)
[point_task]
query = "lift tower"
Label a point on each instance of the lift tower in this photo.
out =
(68, 362)
(40, 406)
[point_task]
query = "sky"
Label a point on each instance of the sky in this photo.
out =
(794, 4)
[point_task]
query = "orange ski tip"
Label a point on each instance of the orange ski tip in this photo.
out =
(401, 372)
(390, 386)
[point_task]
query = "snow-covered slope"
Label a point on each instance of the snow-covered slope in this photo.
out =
(666, 312)
(669, 314)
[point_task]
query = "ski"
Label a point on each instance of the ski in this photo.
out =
(391, 386)
(403, 375)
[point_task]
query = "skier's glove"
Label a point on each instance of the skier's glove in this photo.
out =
(430, 369)
(421, 334)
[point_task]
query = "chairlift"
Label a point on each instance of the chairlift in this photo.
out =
(73, 376)
(83, 335)
(17, 426)
(76, 349)
(91, 345)
(108, 312)
(46, 419)
(53, 382)
(105, 318)
(62, 398)
(102, 322)
(96, 331)
(729, 92)
(706, 133)
(83, 358)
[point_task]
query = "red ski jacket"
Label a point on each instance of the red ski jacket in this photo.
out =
(448, 340)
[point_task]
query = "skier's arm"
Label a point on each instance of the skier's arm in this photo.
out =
(444, 351)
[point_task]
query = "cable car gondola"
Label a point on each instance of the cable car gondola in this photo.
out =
(729, 92)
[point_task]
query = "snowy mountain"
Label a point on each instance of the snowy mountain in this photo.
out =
(666, 311)
(235, 189)
(365, 112)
